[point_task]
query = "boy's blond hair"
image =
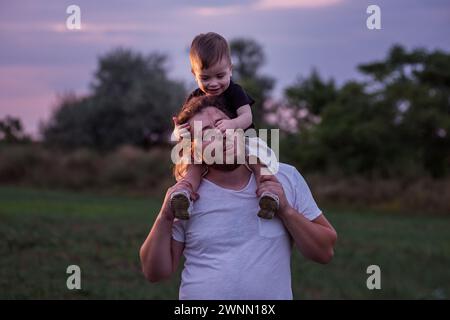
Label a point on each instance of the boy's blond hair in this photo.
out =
(208, 49)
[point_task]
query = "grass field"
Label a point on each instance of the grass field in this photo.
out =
(42, 232)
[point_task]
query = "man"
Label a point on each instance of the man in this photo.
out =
(230, 252)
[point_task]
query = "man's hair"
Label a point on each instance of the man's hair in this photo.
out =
(196, 104)
(208, 49)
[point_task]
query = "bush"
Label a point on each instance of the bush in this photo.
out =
(417, 195)
(130, 169)
(126, 167)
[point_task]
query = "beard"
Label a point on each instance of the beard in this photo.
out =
(225, 167)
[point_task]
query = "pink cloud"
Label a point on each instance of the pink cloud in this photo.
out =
(264, 5)
(29, 93)
(289, 4)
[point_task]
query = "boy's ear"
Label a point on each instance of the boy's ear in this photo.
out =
(192, 71)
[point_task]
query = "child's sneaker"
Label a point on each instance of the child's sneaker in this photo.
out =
(268, 204)
(181, 204)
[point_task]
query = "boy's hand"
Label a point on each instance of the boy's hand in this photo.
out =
(181, 131)
(225, 124)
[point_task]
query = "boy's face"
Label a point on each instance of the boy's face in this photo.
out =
(214, 80)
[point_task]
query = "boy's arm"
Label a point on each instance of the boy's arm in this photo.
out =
(244, 117)
(243, 120)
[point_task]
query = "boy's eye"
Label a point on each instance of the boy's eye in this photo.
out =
(204, 78)
(220, 76)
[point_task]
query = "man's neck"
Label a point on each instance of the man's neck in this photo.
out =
(235, 179)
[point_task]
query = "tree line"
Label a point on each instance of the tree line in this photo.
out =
(395, 122)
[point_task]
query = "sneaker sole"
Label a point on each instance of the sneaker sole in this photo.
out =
(180, 205)
(268, 208)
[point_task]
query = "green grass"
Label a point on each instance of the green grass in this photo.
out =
(42, 232)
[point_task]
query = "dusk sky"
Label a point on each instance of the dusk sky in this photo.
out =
(40, 58)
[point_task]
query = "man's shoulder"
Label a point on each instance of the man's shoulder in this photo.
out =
(286, 168)
(288, 174)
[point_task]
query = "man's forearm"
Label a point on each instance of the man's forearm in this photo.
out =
(155, 253)
(315, 241)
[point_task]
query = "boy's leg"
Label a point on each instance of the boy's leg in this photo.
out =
(268, 202)
(194, 175)
(181, 201)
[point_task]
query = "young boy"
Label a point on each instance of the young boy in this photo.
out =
(211, 66)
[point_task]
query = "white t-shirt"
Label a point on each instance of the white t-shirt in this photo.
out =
(230, 252)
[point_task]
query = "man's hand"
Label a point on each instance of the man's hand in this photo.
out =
(181, 130)
(270, 183)
(166, 209)
(225, 124)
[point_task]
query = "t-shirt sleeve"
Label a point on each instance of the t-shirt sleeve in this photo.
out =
(178, 230)
(303, 199)
(238, 97)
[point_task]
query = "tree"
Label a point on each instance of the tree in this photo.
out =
(131, 101)
(416, 85)
(308, 97)
(248, 57)
(395, 124)
(311, 93)
(11, 130)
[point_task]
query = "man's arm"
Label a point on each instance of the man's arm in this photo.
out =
(159, 253)
(315, 239)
